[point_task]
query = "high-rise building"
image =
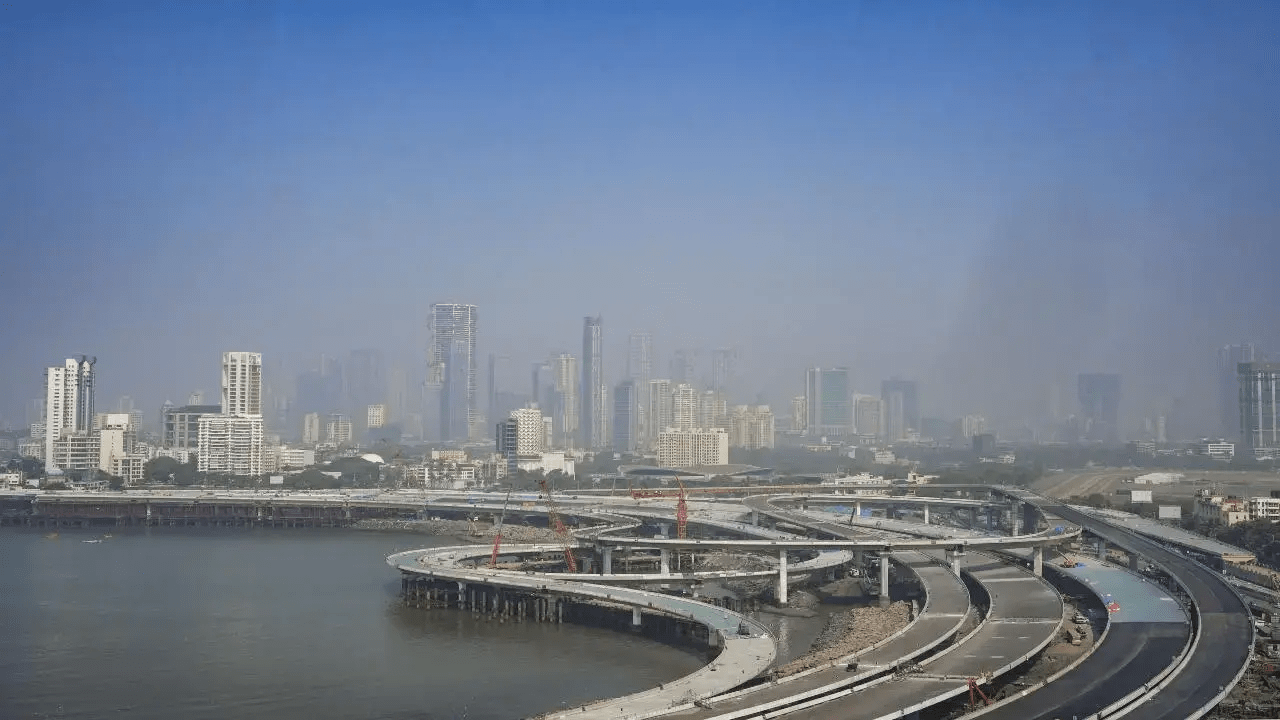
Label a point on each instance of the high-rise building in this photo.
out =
(338, 430)
(451, 367)
(868, 416)
(1229, 359)
(116, 439)
(242, 383)
(799, 414)
(683, 367)
(565, 405)
(1099, 395)
(592, 394)
(542, 385)
(827, 397)
(68, 403)
(971, 425)
(231, 445)
(180, 428)
(376, 416)
(713, 409)
(365, 379)
(625, 412)
(686, 448)
(1259, 384)
(684, 407)
(230, 442)
(751, 428)
(640, 372)
(661, 411)
(901, 408)
(311, 428)
(723, 363)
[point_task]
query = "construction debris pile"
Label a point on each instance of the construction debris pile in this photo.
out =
(848, 632)
(1257, 695)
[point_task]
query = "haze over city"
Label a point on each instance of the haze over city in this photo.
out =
(986, 198)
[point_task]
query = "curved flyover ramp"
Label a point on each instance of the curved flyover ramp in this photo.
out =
(742, 657)
(1224, 643)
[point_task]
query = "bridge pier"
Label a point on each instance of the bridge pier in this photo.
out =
(1037, 560)
(664, 561)
(953, 557)
(782, 577)
(606, 563)
(1133, 561)
(755, 518)
(926, 514)
(1102, 550)
(884, 578)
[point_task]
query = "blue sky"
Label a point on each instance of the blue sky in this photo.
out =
(980, 195)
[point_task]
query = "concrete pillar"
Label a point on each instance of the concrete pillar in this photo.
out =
(884, 578)
(926, 514)
(664, 529)
(782, 577)
(1102, 549)
(755, 518)
(857, 508)
(607, 564)
(665, 561)
(953, 556)
(635, 617)
(1133, 561)
(1037, 560)
(1015, 519)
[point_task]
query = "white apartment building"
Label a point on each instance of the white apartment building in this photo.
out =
(684, 448)
(1264, 508)
(242, 383)
(116, 438)
(376, 416)
(659, 413)
(76, 451)
(868, 416)
(799, 413)
(684, 407)
(231, 444)
(68, 405)
(1217, 449)
(311, 429)
(338, 430)
(971, 425)
(288, 458)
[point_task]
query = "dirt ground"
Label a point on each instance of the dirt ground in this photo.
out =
(1108, 480)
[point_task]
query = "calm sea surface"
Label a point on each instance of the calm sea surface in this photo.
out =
(282, 624)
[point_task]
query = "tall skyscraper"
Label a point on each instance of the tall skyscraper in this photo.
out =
(799, 414)
(640, 372)
(242, 383)
(625, 410)
(868, 416)
(231, 441)
(1099, 395)
(542, 386)
(366, 379)
(683, 367)
(1229, 359)
(827, 398)
(1259, 384)
(592, 394)
(684, 407)
(451, 367)
(565, 406)
(724, 361)
(68, 402)
(660, 412)
(901, 408)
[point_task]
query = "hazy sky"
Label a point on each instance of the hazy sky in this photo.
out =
(980, 195)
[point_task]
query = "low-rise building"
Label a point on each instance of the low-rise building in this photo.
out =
(1217, 449)
(1264, 508)
(1223, 510)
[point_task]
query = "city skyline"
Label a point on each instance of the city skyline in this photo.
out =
(1114, 214)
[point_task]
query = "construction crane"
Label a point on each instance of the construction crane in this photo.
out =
(682, 512)
(559, 527)
(497, 535)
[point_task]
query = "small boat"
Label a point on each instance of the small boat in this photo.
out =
(91, 542)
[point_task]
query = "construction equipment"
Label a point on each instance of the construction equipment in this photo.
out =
(553, 515)
(973, 688)
(497, 535)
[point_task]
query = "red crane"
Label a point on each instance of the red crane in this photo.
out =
(497, 535)
(559, 527)
(682, 512)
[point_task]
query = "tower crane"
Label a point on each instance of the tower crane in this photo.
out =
(559, 527)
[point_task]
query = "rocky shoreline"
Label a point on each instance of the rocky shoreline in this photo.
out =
(849, 631)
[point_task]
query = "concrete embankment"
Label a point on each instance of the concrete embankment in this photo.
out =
(465, 531)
